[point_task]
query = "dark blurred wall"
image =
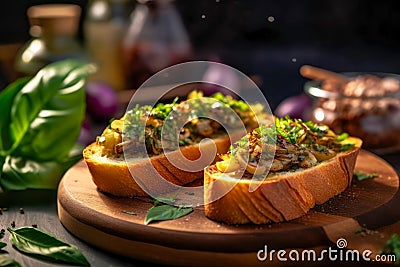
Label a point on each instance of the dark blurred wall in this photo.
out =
(323, 22)
(272, 39)
(14, 25)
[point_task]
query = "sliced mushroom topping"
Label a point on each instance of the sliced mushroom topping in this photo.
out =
(255, 168)
(268, 148)
(156, 146)
(302, 138)
(276, 165)
(251, 167)
(184, 134)
(298, 144)
(204, 127)
(323, 154)
(285, 161)
(309, 161)
(257, 149)
(285, 149)
(325, 140)
(125, 145)
(154, 122)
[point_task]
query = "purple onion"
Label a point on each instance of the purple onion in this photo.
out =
(294, 106)
(101, 100)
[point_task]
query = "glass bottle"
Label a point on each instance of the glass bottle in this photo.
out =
(105, 25)
(54, 29)
(156, 39)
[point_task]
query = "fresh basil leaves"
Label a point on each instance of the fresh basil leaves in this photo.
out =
(40, 124)
(392, 247)
(2, 245)
(364, 176)
(44, 246)
(165, 212)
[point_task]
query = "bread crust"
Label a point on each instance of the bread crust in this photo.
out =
(114, 176)
(283, 197)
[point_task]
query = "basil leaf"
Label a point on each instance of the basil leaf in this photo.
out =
(364, 176)
(20, 173)
(41, 124)
(2, 245)
(6, 101)
(47, 110)
(165, 212)
(392, 247)
(45, 246)
(6, 261)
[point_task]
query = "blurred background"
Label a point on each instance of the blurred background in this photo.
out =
(267, 40)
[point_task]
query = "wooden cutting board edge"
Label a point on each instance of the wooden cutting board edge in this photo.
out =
(148, 248)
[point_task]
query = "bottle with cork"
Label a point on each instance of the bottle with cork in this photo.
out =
(54, 29)
(104, 28)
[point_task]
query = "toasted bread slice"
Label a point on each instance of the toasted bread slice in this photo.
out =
(281, 197)
(113, 175)
(119, 167)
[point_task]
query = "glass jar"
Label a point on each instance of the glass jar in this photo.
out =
(105, 25)
(54, 29)
(156, 39)
(367, 106)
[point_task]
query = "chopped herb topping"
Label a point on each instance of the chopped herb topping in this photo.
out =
(286, 145)
(129, 212)
(141, 129)
(363, 176)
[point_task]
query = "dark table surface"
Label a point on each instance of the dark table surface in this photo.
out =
(40, 208)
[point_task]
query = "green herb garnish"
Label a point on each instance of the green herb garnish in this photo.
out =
(161, 111)
(359, 231)
(2, 245)
(346, 147)
(46, 247)
(392, 247)
(342, 137)
(129, 212)
(363, 176)
(165, 212)
(40, 123)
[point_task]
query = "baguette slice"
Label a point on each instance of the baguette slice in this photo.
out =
(113, 176)
(282, 197)
(163, 171)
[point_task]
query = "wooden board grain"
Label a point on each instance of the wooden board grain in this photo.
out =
(98, 219)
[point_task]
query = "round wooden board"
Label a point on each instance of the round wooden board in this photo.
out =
(98, 219)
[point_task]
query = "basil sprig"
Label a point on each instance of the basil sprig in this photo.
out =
(165, 212)
(40, 123)
(46, 247)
